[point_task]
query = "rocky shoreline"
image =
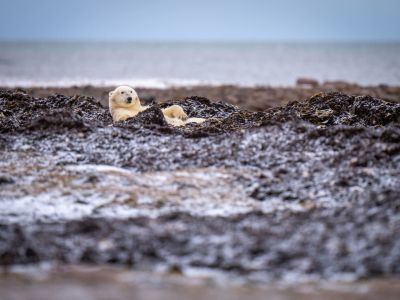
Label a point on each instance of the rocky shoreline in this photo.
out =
(305, 190)
(250, 98)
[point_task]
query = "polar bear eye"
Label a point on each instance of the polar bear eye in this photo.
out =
(122, 92)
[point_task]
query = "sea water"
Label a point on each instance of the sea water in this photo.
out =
(167, 64)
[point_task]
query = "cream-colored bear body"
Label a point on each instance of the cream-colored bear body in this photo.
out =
(124, 103)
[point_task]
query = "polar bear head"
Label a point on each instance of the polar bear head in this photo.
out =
(124, 97)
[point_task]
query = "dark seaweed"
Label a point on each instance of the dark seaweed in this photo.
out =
(345, 148)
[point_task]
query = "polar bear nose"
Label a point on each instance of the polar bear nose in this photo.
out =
(129, 99)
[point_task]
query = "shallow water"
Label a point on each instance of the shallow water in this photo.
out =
(166, 64)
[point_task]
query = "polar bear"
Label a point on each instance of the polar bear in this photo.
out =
(124, 103)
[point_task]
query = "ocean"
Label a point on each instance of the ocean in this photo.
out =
(178, 64)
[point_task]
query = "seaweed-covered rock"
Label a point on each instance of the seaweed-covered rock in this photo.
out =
(311, 188)
(20, 111)
(150, 120)
(340, 109)
(201, 107)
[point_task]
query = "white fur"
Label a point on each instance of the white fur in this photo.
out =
(124, 103)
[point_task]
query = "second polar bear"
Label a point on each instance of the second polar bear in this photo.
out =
(124, 103)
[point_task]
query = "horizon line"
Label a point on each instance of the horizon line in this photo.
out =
(206, 41)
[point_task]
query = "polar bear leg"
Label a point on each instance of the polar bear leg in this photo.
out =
(122, 115)
(175, 121)
(195, 120)
(143, 108)
(175, 111)
(178, 122)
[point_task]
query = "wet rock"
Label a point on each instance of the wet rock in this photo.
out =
(338, 84)
(307, 82)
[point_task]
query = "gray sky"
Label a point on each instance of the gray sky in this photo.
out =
(202, 20)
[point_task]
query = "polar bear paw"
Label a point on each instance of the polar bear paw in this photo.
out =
(175, 111)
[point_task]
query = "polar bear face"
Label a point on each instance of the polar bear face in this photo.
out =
(124, 97)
